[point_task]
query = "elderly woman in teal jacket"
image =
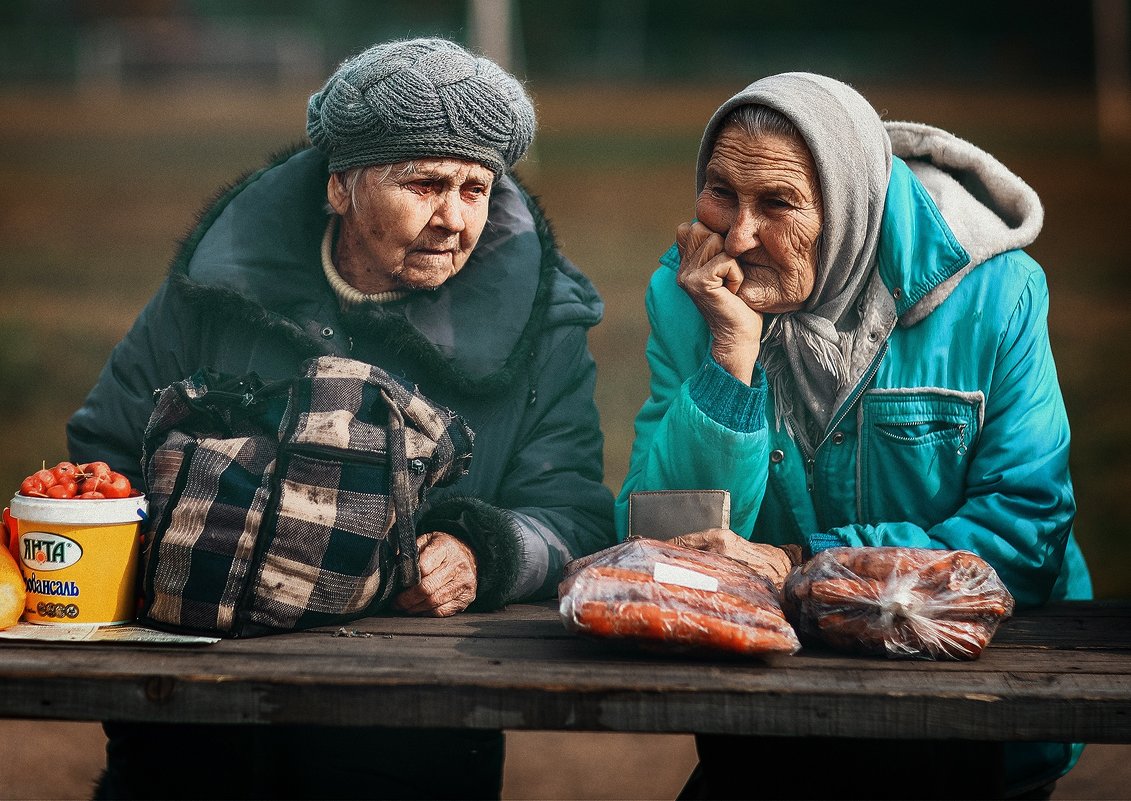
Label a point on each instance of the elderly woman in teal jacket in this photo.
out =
(849, 338)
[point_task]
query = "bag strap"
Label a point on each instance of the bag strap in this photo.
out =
(404, 497)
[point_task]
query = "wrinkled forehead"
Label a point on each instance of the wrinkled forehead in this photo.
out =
(457, 171)
(764, 158)
(839, 127)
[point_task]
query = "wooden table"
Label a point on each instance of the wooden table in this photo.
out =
(1062, 673)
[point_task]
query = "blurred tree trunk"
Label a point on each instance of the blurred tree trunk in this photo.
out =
(1113, 82)
(491, 30)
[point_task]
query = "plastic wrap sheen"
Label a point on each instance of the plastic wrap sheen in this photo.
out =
(897, 602)
(675, 598)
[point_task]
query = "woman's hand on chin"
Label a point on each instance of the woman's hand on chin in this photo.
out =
(712, 279)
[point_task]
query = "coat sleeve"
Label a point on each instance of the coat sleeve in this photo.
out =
(552, 505)
(1019, 504)
(700, 428)
(110, 424)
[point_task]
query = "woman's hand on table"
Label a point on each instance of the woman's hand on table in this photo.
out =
(448, 577)
(768, 560)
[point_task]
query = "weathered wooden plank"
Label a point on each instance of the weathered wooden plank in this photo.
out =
(568, 659)
(535, 620)
(793, 705)
(322, 651)
(326, 655)
(1069, 627)
(519, 669)
(1080, 624)
(586, 665)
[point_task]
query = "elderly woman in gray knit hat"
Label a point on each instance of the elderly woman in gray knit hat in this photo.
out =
(849, 338)
(401, 239)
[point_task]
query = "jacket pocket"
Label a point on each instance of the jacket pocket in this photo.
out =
(914, 450)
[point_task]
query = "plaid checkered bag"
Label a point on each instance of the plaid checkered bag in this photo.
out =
(287, 505)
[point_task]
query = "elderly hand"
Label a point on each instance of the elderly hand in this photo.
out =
(768, 560)
(712, 279)
(448, 578)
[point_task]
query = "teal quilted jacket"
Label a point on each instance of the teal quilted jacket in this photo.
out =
(955, 437)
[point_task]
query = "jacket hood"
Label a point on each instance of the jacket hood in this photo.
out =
(985, 210)
(257, 248)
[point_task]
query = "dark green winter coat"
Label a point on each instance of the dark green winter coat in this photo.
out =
(503, 343)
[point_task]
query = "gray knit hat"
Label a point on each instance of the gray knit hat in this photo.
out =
(420, 98)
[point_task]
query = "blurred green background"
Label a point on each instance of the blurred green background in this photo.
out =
(120, 120)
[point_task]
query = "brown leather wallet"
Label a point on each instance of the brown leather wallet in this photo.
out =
(663, 514)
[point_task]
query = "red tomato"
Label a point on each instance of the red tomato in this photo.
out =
(33, 487)
(91, 496)
(64, 490)
(116, 486)
(65, 470)
(92, 484)
(46, 477)
(95, 469)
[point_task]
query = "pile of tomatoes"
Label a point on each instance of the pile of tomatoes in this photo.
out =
(90, 481)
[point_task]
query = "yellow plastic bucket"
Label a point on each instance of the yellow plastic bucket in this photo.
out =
(78, 557)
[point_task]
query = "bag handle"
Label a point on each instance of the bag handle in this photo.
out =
(404, 498)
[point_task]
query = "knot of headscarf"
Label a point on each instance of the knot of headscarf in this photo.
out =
(807, 353)
(804, 356)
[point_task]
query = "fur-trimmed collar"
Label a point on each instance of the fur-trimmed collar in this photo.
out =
(255, 253)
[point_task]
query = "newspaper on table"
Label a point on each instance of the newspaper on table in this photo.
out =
(89, 632)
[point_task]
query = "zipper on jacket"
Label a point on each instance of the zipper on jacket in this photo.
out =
(959, 428)
(846, 407)
(873, 368)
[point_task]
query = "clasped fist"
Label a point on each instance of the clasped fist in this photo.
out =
(448, 577)
(712, 279)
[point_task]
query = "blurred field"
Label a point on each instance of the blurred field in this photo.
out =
(96, 189)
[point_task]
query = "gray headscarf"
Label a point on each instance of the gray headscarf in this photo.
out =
(808, 354)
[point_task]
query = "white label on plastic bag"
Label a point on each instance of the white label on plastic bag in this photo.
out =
(670, 574)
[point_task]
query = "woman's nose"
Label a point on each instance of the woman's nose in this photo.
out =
(742, 236)
(449, 213)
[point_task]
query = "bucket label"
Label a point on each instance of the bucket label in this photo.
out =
(38, 586)
(42, 551)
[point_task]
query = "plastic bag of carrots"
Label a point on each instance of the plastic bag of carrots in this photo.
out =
(897, 602)
(669, 597)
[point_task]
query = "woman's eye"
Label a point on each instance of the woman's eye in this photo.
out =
(721, 191)
(422, 187)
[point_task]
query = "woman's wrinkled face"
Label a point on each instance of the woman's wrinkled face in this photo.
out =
(762, 196)
(414, 229)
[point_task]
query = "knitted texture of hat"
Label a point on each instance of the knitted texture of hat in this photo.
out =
(420, 98)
